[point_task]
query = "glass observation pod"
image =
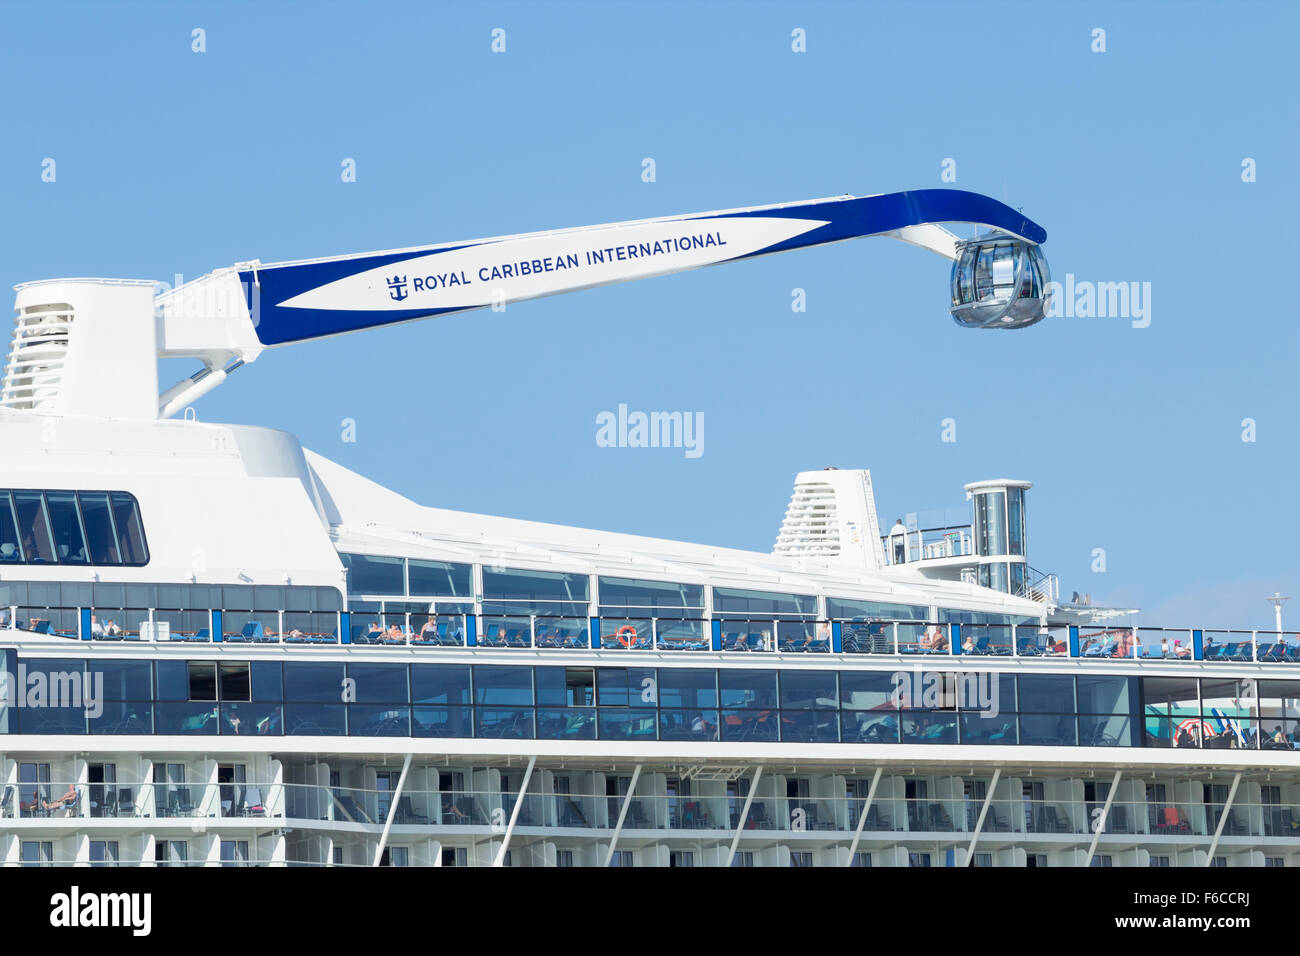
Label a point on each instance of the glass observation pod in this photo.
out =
(999, 282)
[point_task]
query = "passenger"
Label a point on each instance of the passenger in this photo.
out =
(898, 541)
(1279, 737)
(457, 815)
(1164, 646)
(968, 645)
(501, 635)
(1179, 650)
(430, 630)
(111, 629)
(68, 798)
(96, 628)
(394, 634)
(767, 640)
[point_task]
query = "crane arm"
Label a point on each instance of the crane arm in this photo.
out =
(230, 316)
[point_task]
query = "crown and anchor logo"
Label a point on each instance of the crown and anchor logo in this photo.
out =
(397, 288)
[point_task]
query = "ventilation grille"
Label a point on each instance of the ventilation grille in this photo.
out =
(811, 525)
(34, 371)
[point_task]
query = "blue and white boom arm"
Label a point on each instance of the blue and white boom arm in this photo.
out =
(230, 316)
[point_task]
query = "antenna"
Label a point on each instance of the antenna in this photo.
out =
(1277, 600)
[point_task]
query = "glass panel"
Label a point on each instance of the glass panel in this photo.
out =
(33, 527)
(511, 585)
(737, 602)
(569, 724)
(688, 725)
(65, 524)
(852, 609)
(502, 686)
(504, 722)
(809, 690)
(688, 688)
(440, 683)
(1046, 694)
(990, 523)
(749, 725)
(442, 721)
(625, 724)
(630, 592)
(938, 727)
(626, 686)
(379, 683)
(1016, 521)
(10, 551)
(379, 720)
(130, 530)
(748, 688)
(565, 686)
(438, 579)
(125, 680)
(1047, 729)
(234, 681)
(251, 719)
(815, 726)
(268, 683)
(313, 681)
(328, 720)
(373, 574)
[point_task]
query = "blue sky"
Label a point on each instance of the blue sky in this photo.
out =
(170, 161)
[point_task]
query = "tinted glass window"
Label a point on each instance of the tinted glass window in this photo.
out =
(440, 683)
(507, 585)
(503, 686)
(173, 680)
(9, 549)
(379, 683)
(630, 592)
(747, 688)
(626, 687)
(203, 680)
(125, 680)
(65, 525)
(1047, 694)
(234, 681)
(849, 609)
(314, 682)
(439, 578)
(33, 528)
(734, 601)
(267, 681)
(130, 532)
(372, 574)
(688, 687)
(809, 689)
(866, 690)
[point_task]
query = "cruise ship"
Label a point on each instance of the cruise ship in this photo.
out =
(223, 649)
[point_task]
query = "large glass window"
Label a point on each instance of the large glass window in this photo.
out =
(1016, 521)
(848, 609)
(374, 574)
(65, 526)
(33, 527)
(990, 523)
(439, 579)
(68, 527)
(737, 603)
(10, 546)
(624, 593)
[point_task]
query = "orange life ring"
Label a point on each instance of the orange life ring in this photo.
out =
(626, 635)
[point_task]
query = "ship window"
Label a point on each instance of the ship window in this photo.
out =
(374, 574)
(439, 578)
(203, 680)
(33, 527)
(509, 585)
(130, 533)
(65, 524)
(71, 527)
(850, 609)
(9, 544)
(100, 534)
(632, 593)
(234, 682)
(733, 602)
